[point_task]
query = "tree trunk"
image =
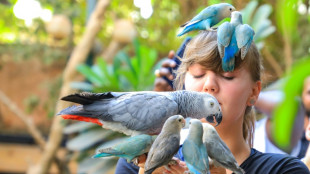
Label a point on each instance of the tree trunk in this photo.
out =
(78, 56)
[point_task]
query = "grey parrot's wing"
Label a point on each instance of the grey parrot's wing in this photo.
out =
(224, 33)
(141, 111)
(244, 36)
(163, 151)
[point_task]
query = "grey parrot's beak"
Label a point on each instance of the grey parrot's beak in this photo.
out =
(218, 118)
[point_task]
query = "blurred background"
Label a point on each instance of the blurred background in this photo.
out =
(49, 48)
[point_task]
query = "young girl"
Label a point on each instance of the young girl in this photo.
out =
(237, 91)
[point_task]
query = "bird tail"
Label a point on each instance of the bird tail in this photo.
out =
(189, 26)
(86, 98)
(99, 155)
(77, 112)
(239, 171)
(184, 31)
(228, 65)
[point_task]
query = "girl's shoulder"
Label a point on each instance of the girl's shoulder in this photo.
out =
(271, 163)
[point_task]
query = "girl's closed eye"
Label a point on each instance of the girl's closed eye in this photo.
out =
(228, 76)
(198, 76)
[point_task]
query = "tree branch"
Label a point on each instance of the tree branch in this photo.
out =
(272, 61)
(39, 139)
(77, 57)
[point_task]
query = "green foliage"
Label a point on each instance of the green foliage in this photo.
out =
(134, 73)
(31, 102)
(285, 113)
(257, 18)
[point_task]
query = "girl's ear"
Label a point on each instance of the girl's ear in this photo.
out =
(257, 87)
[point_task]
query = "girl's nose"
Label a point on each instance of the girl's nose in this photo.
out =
(210, 84)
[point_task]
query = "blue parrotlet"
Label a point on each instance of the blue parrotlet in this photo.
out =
(227, 41)
(166, 145)
(218, 151)
(130, 148)
(208, 17)
(194, 151)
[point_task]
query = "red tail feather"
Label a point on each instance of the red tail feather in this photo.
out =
(81, 118)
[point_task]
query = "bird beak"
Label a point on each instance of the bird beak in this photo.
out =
(218, 118)
(183, 123)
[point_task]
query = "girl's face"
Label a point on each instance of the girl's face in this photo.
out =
(233, 90)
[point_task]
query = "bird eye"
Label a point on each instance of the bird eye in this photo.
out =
(180, 120)
(230, 9)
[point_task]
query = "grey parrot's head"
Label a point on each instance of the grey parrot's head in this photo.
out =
(225, 10)
(212, 108)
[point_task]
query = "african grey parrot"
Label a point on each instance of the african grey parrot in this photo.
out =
(166, 145)
(208, 17)
(143, 112)
(218, 150)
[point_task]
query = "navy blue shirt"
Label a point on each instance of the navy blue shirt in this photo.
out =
(256, 163)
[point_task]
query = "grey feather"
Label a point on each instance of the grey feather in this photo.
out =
(218, 150)
(166, 144)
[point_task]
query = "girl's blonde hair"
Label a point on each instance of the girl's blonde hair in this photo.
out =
(203, 50)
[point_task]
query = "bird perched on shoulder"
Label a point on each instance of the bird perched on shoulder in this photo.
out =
(194, 151)
(232, 37)
(129, 149)
(166, 145)
(134, 113)
(208, 17)
(218, 150)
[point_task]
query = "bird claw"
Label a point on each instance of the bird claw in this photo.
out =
(135, 161)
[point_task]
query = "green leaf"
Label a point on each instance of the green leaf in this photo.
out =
(286, 111)
(248, 11)
(87, 139)
(89, 74)
(262, 13)
(83, 86)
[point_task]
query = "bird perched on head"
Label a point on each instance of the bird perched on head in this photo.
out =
(227, 41)
(194, 151)
(244, 36)
(218, 150)
(166, 145)
(129, 149)
(144, 112)
(208, 17)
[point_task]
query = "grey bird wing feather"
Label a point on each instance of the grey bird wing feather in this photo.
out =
(137, 111)
(162, 152)
(221, 154)
(224, 33)
(201, 16)
(244, 36)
